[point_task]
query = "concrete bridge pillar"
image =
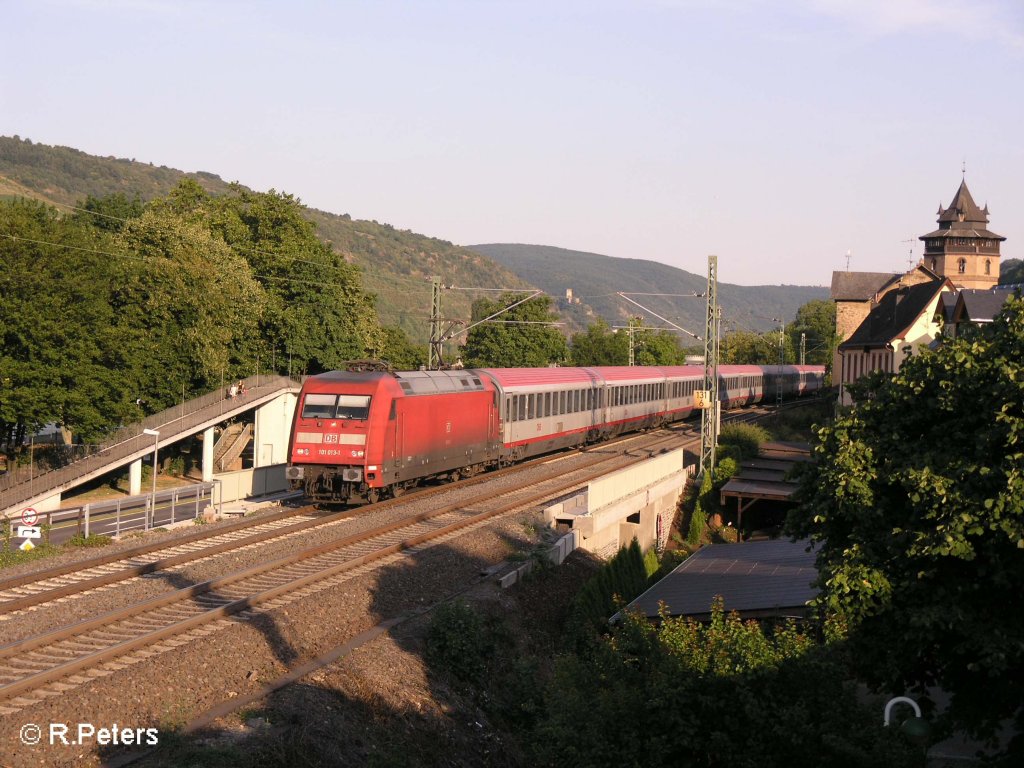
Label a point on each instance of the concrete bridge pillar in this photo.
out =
(135, 478)
(208, 455)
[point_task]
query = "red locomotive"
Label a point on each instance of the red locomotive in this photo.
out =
(374, 434)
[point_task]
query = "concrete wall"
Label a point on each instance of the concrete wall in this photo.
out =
(251, 482)
(639, 502)
(273, 427)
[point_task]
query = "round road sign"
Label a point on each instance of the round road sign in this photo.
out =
(30, 516)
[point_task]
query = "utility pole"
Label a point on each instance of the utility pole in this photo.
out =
(435, 353)
(709, 415)
(633, 323)
(782, 362)
(803, 349)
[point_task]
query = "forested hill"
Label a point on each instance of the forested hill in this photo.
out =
(595, 280)
(1011, 272)
(396, 264)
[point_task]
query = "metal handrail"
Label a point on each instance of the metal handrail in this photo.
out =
(130, 440)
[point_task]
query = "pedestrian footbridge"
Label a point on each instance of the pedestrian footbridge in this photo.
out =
(272, 398)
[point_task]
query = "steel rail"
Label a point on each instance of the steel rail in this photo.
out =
(133, 571)
(71, 667)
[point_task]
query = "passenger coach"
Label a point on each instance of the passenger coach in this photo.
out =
(370, 434)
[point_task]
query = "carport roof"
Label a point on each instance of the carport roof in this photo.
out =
(757, 579)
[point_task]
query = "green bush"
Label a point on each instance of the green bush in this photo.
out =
(92, 540)
(724, 692)
(651, 564)
(620, 580)
(698, 526)
(745, 438)
(458, 642)
(724, 470)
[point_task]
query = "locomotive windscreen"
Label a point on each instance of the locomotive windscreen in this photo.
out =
(350, 407)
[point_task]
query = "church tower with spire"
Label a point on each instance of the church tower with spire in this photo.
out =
(962, 248)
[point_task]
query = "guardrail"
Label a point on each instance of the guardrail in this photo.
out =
(130, 440)
(132, 513)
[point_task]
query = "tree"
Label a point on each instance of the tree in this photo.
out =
(816, 319)
(401, 353)
(522, 343)
(725, 693)
(316, 310)
(111, 212)
(58, 347)
(917, 499)
(658, 347)
(748, 348)
(186, 306)
(1011, 272)
(599, 345)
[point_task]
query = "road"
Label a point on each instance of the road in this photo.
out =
(120, 516)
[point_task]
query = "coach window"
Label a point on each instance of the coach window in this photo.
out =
(561, 402)
(530, 403)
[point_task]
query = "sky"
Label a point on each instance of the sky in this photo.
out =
(778, 134)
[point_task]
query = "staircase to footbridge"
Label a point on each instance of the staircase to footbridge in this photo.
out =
(271, 398)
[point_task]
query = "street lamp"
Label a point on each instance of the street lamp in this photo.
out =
(156, 446)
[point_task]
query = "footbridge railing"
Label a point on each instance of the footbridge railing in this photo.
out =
(129, 441)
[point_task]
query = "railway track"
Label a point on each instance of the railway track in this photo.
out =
(35, 589)
(53, 662)
(38, 588)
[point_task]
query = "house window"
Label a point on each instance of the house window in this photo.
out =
(961, 265)
(988, 267)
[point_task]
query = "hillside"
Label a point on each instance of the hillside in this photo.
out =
(1011, 272)
(595, 280)
(396, 264)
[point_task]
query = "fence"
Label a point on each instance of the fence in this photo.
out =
(130, 441)
(133, 513)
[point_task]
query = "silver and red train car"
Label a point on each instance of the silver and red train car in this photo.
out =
(367, 435)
